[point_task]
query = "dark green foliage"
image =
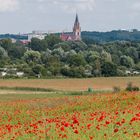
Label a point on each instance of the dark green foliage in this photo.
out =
(51, 40)
(6, 43)
(38, 45)
(135, 88)
(16, 52)
(130, 87)
(109, 69)
(76, 60)
(91, 37)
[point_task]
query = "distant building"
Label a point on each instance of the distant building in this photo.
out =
(36, 34)
(24, 42)
(13, 40)
(75, 35)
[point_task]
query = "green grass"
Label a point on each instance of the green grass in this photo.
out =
(24, 94)
(27, 89)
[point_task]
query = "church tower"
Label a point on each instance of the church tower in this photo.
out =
(77, 29)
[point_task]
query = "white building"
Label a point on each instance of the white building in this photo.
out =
(36, 34)
(20, 74)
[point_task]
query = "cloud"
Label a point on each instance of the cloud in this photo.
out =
(71, 5)
(8, 5)
(136, 6)
(75, 5)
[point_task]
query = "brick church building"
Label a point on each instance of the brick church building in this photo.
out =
(76, 35)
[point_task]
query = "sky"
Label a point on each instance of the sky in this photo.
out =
(23, 16)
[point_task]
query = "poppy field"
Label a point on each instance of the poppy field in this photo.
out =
(86, 117)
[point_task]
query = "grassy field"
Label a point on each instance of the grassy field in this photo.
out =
(72, 84)
(57, 117)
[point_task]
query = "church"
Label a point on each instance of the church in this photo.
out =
(76, 35)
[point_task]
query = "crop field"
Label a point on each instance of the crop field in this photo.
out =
(30, 111)
(86, 117)
(72, 84)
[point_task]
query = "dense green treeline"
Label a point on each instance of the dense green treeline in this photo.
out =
(102, 37)
(52, 57)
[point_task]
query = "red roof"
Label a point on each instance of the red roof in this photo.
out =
(24, 42)
(67, 37)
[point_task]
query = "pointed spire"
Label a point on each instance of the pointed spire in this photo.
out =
(76, 20)
(77, 29)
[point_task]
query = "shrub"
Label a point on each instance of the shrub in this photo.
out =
(90, 89)
(130, 87)
(135, 88)
(116, 89)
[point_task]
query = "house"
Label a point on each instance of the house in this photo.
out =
(136, 72)
(3, 74)
(10, 72)
(19, 74)
(127, 72)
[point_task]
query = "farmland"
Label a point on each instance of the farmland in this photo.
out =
(71, 113)
(72, 84)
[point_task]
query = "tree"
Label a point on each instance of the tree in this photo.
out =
(39, 70)
(52, 40)
(53, 64)
(32, 56)
(38, 45)
(64, 45)
(3, 53)
(137, 66)
(6, 43)
(16, 52)
(106, 56)
(59, 52)
(109, 69)
(76, 72)
(92, 57)
(126, 61)
(133, 53)
(76, 60)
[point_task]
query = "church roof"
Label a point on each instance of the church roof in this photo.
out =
(67, 37)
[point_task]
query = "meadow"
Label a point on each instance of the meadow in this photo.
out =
(68, 115)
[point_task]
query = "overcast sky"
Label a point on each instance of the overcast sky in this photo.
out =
(58, 15)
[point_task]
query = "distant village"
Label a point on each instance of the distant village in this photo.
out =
(26, 38)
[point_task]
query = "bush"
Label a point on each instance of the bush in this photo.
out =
(116, 89)
(130, 87)
(135, 88)
(90, 89)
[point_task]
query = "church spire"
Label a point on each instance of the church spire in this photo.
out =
(77, 28)
(76, 20)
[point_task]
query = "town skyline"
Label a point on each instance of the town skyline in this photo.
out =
(22, 16)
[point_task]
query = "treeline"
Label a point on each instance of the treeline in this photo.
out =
(102, 37)
(52, 57)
